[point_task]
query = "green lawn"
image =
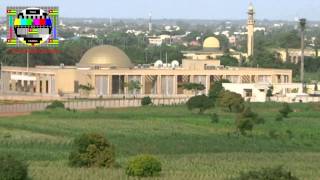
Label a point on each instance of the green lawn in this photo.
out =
(189, 146)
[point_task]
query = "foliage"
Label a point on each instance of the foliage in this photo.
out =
(270, 91)
(195, 87)
(12, 169)
(145, 101)
(231, 101)
(87, 87)
(215, 91)
(246, 120)
(133, 86)
(143, 166)
(214, 118)
(277, 173)
(55, 105)
(285, 110)
(201, 102)
(92, 150)
(279, 117)
(227, 60)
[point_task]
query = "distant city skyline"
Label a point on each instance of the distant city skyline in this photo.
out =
(178, 9)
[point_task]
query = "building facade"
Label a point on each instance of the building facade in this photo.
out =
(105, 71)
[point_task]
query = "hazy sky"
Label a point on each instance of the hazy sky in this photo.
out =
(188, 9)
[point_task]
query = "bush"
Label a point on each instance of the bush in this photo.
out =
(279, 117)
(12, 169)
(214, 118)
(276, 173)
(55, 105)
(92, 150)
(231, 101)
(143, 166)
(199, 102)
(246, 120)
(285, 110)
(146, 101)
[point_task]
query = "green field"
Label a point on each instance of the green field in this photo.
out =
(189, 145)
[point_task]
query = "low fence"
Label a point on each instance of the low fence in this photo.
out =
(89, 104)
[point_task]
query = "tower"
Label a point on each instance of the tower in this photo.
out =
(250, 27)
(150, 22)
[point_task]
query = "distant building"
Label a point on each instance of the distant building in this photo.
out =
(294, 55)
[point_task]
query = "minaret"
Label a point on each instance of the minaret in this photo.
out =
(150, 22)
(250, 27)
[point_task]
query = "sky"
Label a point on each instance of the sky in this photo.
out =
(178, 9)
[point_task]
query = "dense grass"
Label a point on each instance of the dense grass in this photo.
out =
(189, 146)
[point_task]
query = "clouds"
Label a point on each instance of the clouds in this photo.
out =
(190, 9)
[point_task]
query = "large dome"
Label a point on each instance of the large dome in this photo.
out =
(211, 43)
(105, 56)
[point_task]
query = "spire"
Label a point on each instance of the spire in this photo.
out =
(150, 22)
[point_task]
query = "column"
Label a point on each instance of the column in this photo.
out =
(159, 85)
(109, 93)
(142, 85)
(175, 86)
(207, 84)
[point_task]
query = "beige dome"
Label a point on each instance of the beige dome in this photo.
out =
(211, 42)
(105, 56)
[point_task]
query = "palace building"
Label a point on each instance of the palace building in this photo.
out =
(108, 69)
(105, 71)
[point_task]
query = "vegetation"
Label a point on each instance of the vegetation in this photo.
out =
(277, 173)
(285, 110)
(12, 169)
(231, 101)
(214, 118)
(145, 101)
(187, 144)
(195, 87)
(55, 104)
(92, 150)
(215, 91)
(143, 166)
(133, 86)
(246, 120)
(201, 102)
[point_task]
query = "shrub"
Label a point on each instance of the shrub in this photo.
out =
(143, 166)
(276, 173)
(274, 134)
(55, 105)
(279, 117)
(12, 169)
(285, 110)
(231, 101)
(214, 118)
(246, 120)
(201, 102)
(92, 150)
(146, 101)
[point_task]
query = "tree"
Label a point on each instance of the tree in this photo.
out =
(133, 86)
(86, 88)
(231, 101)
(269, 92)
(201, 102)
(195, 87)
(216, 89)
(228, 60)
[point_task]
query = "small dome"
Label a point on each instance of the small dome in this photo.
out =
(211, 43)
(105, 56)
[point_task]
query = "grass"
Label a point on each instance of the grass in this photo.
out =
(189, 146)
